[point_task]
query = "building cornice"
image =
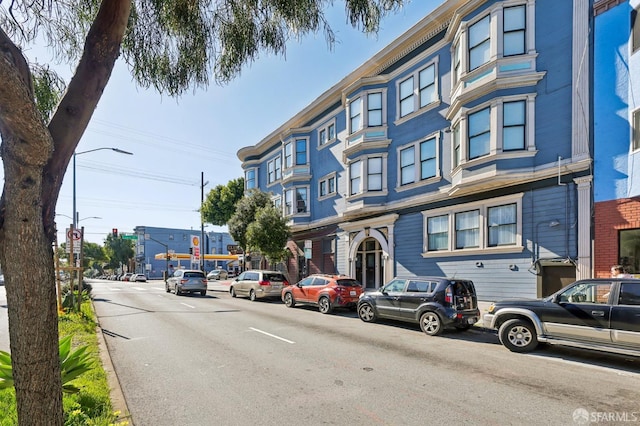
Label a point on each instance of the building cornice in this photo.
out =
(430, 25)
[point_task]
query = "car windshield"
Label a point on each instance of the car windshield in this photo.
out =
(349, 283)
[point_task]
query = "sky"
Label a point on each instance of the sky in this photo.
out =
(174, 141)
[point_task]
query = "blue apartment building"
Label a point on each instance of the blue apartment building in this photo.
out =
(461, 149)
(153, 241)
(616, 92)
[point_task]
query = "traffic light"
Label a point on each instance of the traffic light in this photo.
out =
(190, 250)
(114, 231)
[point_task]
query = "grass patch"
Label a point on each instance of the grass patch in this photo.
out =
(92, 405)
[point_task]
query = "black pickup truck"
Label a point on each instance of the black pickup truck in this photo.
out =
(599, 314)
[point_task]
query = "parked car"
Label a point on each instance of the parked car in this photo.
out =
(325, 291)
(600, 314)
(187, 281)
(126, 277)
(218, 274)
(257, 284)
(138, 278)
(435, 303)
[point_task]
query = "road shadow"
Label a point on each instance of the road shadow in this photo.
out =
(340, 312)
(586, 356)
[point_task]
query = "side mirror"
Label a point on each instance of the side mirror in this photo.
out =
(298, 285)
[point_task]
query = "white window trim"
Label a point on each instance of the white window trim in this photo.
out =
(276, 160)
(635, 132)
(246, 181)
(364, 116)
(484, 248)
(496, 138)
(416, 92)
(418, 182)
(523, 65)
(293, 142)
(326, 127)
(275, 199)
(296, 214)
(502, 33)
(364, 192)
(326, 179)
(491, 38)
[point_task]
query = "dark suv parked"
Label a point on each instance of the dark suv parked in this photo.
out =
(433, 302)
(600, 314)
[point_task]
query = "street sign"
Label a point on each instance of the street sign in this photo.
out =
(77, 238)
(129, 236)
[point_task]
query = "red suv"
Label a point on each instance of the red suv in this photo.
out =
(325, 291)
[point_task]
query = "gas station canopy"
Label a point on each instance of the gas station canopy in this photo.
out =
(187, 256)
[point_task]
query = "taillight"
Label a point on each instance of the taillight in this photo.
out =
(182, 281)
(285, 283)
(264, 282)
(448, 295)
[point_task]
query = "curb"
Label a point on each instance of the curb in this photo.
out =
(118, 402)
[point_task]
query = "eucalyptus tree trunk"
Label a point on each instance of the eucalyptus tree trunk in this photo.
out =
(26, 256)
(35, 157)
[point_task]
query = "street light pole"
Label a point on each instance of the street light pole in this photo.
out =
(166, 248)
(75, 211)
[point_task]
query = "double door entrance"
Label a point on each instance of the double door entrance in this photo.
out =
(369, 264)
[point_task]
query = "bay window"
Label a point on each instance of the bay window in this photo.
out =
(479, 43)
(514, 26)
(479, 133)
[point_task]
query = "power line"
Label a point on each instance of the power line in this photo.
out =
(155, 139)
(111, 169)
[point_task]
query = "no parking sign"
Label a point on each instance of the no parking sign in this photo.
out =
(76, 236)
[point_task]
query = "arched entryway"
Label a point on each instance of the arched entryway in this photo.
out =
(369, 258)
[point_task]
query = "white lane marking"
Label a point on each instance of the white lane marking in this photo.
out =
(188, 306)
(272, 335)
(114, 289)
(139, 288)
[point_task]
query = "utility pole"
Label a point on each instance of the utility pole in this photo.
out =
(202, 185)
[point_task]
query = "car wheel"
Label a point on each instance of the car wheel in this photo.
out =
(166, 287)
(324, 305)
(431, 323)
(518, 335)
(366, 313)
(252, 295)
(177, 291)
(233, 292)
(203, 293)
(288, 300)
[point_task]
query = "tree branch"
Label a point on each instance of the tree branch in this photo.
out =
(20, 119)
(68, 124)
